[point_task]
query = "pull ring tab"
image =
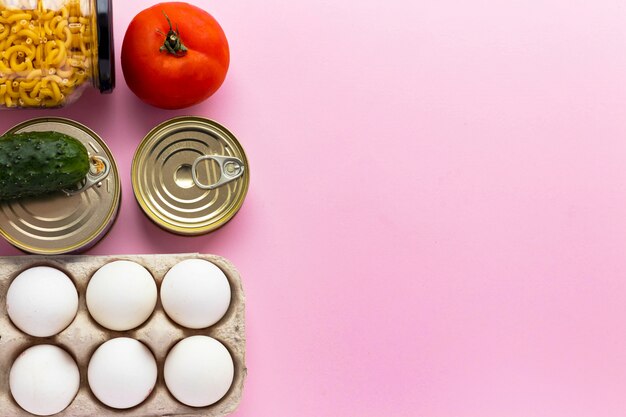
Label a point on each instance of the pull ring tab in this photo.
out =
(98, 170)
(231, 168)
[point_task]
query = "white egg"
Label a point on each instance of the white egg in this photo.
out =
(42, 301)
(195, 293)
(121, 295)
(199, 371)
(122, 373)
(44, 380)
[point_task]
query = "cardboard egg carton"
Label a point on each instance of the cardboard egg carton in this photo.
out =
(159, 333)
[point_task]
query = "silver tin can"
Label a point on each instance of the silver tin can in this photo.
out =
(64, 222)
(190, 175)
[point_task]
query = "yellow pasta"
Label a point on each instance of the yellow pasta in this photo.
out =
(27, 84)
(5, 32)
(25, 99)
(19, 67)
(69, 38)
(58, 29)
(49, 15)
(47, 30)
(8, 41)
(35, 92)
(29, 35)
(44, 54)
(25, 50)
(12, 18)
(4, 68)
(65, 71)
(56, 90)
(11, 91)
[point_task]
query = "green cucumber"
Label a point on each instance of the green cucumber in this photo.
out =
(36, 163)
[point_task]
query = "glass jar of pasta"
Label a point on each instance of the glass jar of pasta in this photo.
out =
(51, 50)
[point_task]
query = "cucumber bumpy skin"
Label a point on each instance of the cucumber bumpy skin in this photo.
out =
(37, 163)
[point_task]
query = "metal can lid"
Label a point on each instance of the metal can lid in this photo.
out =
(190, 175)
(70, 221)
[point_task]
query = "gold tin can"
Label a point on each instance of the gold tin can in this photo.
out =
(190, 175)
(67, 221)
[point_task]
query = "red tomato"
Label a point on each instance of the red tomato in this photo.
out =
(178, 65)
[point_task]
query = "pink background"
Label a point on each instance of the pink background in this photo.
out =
(436, 224)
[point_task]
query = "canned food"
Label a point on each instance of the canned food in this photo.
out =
(50, 50)
(190, 175)
(67, 221)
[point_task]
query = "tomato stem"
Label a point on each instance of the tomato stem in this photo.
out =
(173, 43)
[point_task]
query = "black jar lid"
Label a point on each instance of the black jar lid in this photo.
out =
(106, 53)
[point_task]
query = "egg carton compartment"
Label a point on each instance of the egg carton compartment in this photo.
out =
(159, 333)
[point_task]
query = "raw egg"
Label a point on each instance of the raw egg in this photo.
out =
(195, 293)
(42, 301)
(122, 373)
(44, 380)
(121, 295)
(199, 371)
